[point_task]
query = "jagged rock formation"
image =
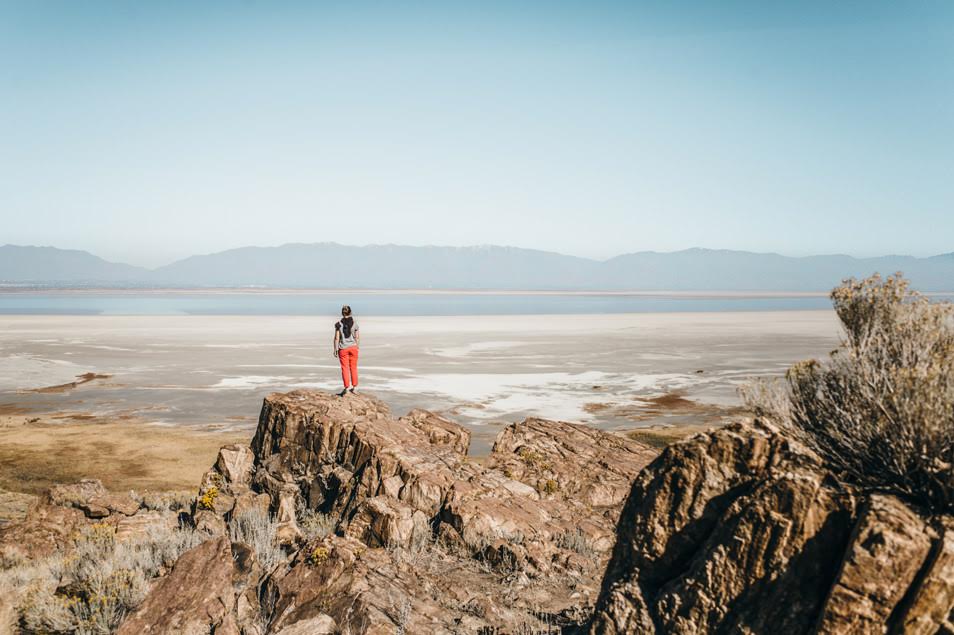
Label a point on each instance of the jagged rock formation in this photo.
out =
(219, 577)
(58, 514)
(741, 531)
(425, 538)
(57, 518)
(736, 530)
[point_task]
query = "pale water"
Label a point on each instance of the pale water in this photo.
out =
(387, 303)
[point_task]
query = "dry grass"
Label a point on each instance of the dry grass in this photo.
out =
(880, 409)
(577, 541)
(257, 529)
(90, 588)
(661, 437)
(314, 525)
(35, 456)
(163, 501)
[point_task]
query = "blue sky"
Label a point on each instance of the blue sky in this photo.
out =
(144, 132)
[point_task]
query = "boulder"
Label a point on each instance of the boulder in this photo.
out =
(337, 452)
(546, 481)
(235, 464)
(249, 501)
(438, 430)
(383, 521)
(887, 549)
(380, 591)
(195, 598)
(89, 496)
(932, 603)
(74, 494)
(64, 510)
(741, 530)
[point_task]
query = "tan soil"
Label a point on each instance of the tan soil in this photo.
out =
(35, 455)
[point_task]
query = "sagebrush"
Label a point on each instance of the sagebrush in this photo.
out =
(258, 529)
(91, 588)
(880, 409)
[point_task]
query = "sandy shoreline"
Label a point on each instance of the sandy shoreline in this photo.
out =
(161, 394)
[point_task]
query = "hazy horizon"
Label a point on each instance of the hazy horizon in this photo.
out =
(160, 265)
(144, 133)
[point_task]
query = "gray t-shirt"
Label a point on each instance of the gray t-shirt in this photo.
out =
(347, 342)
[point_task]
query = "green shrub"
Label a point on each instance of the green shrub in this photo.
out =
(880, 409)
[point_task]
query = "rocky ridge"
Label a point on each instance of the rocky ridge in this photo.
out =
(423, 538)
(739, 530)
(561, 529)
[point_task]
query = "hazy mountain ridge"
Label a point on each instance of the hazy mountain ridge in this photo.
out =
(332, 265)
(29, 264)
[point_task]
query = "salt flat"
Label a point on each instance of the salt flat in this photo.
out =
(211, 372)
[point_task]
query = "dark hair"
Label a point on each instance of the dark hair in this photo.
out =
(347, 321)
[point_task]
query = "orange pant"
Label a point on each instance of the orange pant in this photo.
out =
(349, 366)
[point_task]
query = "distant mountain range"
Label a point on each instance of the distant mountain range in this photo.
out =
(330, 265)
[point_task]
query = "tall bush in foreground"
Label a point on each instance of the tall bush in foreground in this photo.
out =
(880, 409)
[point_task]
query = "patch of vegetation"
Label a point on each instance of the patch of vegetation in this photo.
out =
(548, 487)
(880, 409)
(577, 541)
(163, 501)
(207, 499)
(533, 459)
(313, 524)
(257, 529)
(97, 582)
(318, 556)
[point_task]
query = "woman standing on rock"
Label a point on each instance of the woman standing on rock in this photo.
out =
(346, 350)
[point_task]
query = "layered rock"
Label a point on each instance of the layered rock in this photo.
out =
(350, 458)
(52, 525)
(540, 511)
(65, 509)
(735, 530)
(200, 595)
(739, 530)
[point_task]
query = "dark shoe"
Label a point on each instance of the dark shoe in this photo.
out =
(353, 390)
(343, 393)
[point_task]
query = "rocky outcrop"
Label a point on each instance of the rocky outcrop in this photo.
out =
(50, 530)
(65, 509)
(740, 530)
(385, 525)
(351, 459)
(196, 598)
(439, 431)
(423, 536)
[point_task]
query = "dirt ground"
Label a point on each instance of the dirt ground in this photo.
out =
(37, 451)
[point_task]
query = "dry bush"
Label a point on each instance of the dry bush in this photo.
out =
(257, 529)
(578, 541)
(90, 589)
(313, 524)
(163, 501)
(880, 409)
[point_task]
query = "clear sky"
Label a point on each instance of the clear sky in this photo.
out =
(147, 131)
